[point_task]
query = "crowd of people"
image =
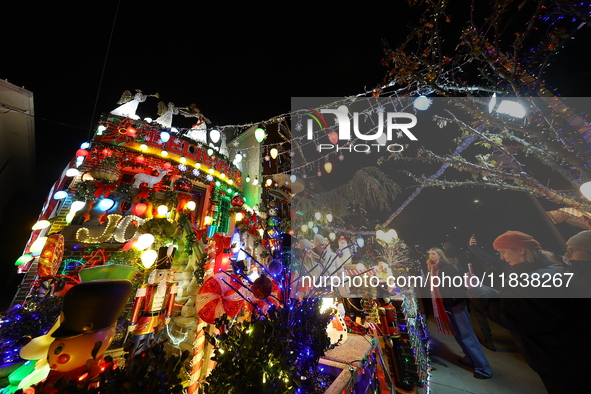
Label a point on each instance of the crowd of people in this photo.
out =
(539, 297)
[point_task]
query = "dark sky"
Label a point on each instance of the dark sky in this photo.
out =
(238, 63)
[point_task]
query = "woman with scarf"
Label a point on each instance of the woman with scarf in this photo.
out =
(544, 320)
(451, 313)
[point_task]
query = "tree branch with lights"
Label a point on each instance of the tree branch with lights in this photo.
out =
(526, 124)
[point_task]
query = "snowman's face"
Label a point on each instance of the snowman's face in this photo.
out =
(342, 244)
(68, 354)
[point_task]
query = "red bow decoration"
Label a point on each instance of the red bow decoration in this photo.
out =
(183, 199)
(106, 188)
(199, 232)
(144, 193)
(221, 242)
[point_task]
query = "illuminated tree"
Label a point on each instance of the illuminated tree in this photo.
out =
(488, 56)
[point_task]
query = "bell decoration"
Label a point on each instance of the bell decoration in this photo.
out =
(237, 201)
(183, 185)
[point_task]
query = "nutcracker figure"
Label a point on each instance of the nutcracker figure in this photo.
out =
(154, 301)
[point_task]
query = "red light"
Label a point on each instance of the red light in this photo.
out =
(130, 131)
(139, 209)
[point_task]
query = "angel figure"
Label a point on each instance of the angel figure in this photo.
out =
(166, 113)
(129, 103)
(193, 112)
(198, 131)
(223, 145)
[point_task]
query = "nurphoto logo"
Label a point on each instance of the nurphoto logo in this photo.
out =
(377, 134)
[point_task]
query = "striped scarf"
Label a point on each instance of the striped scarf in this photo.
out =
(441, 318)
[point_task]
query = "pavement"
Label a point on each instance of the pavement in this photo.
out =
(511, 374)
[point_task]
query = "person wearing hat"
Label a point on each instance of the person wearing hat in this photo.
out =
(578, 254)
(543, 320)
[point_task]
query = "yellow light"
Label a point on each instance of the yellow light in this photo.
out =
(148, 258)
(328, 166)
(41, 224)
(70, 216)
(197, 165)
(230, 182)
(162, 210)
(317, 215)
(183, 160)
(143, 147)
(72, 172)
(269, 182)
(164, 153)
(239, 216)
(191, 205)
(274, 152)
(37, 246)
(76, 206)
(304, 228)
(222, 175)
(207, 220)
(210, 170)
(144, 241)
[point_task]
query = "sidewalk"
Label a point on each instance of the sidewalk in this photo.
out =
(511, 374)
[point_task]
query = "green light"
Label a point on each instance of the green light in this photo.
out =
(24, 259)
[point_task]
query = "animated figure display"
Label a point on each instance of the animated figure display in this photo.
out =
(74, 346)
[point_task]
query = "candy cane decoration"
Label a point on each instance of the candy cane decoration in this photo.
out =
(198, 354)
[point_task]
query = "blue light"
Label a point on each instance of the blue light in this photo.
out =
(105, 204)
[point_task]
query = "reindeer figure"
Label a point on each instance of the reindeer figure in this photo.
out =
(150, 180)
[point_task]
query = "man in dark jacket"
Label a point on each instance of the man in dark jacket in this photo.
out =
(578, 254)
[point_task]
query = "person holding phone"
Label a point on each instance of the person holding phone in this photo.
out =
(451, 313)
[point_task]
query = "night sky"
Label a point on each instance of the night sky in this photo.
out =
(238, 68)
